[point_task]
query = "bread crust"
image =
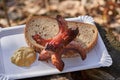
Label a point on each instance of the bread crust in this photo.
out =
(38, 47)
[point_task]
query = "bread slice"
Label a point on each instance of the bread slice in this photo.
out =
(47, 27)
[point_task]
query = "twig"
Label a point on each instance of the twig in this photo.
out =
(6, 13)
(47, 5)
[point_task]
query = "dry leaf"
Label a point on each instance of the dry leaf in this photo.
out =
(69, 7)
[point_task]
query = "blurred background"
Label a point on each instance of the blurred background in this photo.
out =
(106, 13)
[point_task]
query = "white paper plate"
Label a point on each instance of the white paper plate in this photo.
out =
(13, 38)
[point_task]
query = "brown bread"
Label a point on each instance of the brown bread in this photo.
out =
(47, 27)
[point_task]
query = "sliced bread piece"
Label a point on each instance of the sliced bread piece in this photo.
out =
(47, 28)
